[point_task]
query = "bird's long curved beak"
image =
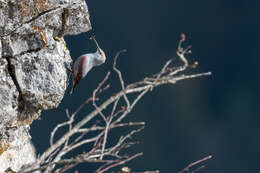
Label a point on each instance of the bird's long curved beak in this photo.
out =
(93, 38)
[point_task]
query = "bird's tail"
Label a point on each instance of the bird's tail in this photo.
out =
(75, 84)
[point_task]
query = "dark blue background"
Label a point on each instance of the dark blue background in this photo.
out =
(216, 115)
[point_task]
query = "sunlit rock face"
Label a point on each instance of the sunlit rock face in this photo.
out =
(34, 65)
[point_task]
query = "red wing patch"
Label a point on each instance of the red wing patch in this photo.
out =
(79, 74)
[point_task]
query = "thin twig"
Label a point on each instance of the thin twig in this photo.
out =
(112, 126)
(94, 96)
(186, 169)
(120, 162)
(105, 137)
(120, 75)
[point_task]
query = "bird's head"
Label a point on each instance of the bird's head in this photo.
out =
(101, 58)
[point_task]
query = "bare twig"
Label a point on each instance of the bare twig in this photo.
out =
(112, 126)
(105, 137)
(119, 163)
(94, 96)
(120, 75)
(187, 169)
(147, 172)
(71, 119)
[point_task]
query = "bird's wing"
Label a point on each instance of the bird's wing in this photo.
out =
(87, 64)
(76, 65)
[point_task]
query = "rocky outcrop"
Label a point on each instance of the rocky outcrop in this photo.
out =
(34, 64)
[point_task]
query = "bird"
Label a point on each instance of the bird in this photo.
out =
(84, 63)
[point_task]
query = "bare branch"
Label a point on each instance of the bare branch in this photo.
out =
(187, 169)
(99, 153)
(148, 172)
(119, 163)
(94, 96)
(120, 75)
(105, 137)
(112, 126)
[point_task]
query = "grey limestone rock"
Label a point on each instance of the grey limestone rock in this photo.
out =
(20, 151)
(33, 68)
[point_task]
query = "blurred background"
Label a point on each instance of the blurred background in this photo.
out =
(217, 115)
